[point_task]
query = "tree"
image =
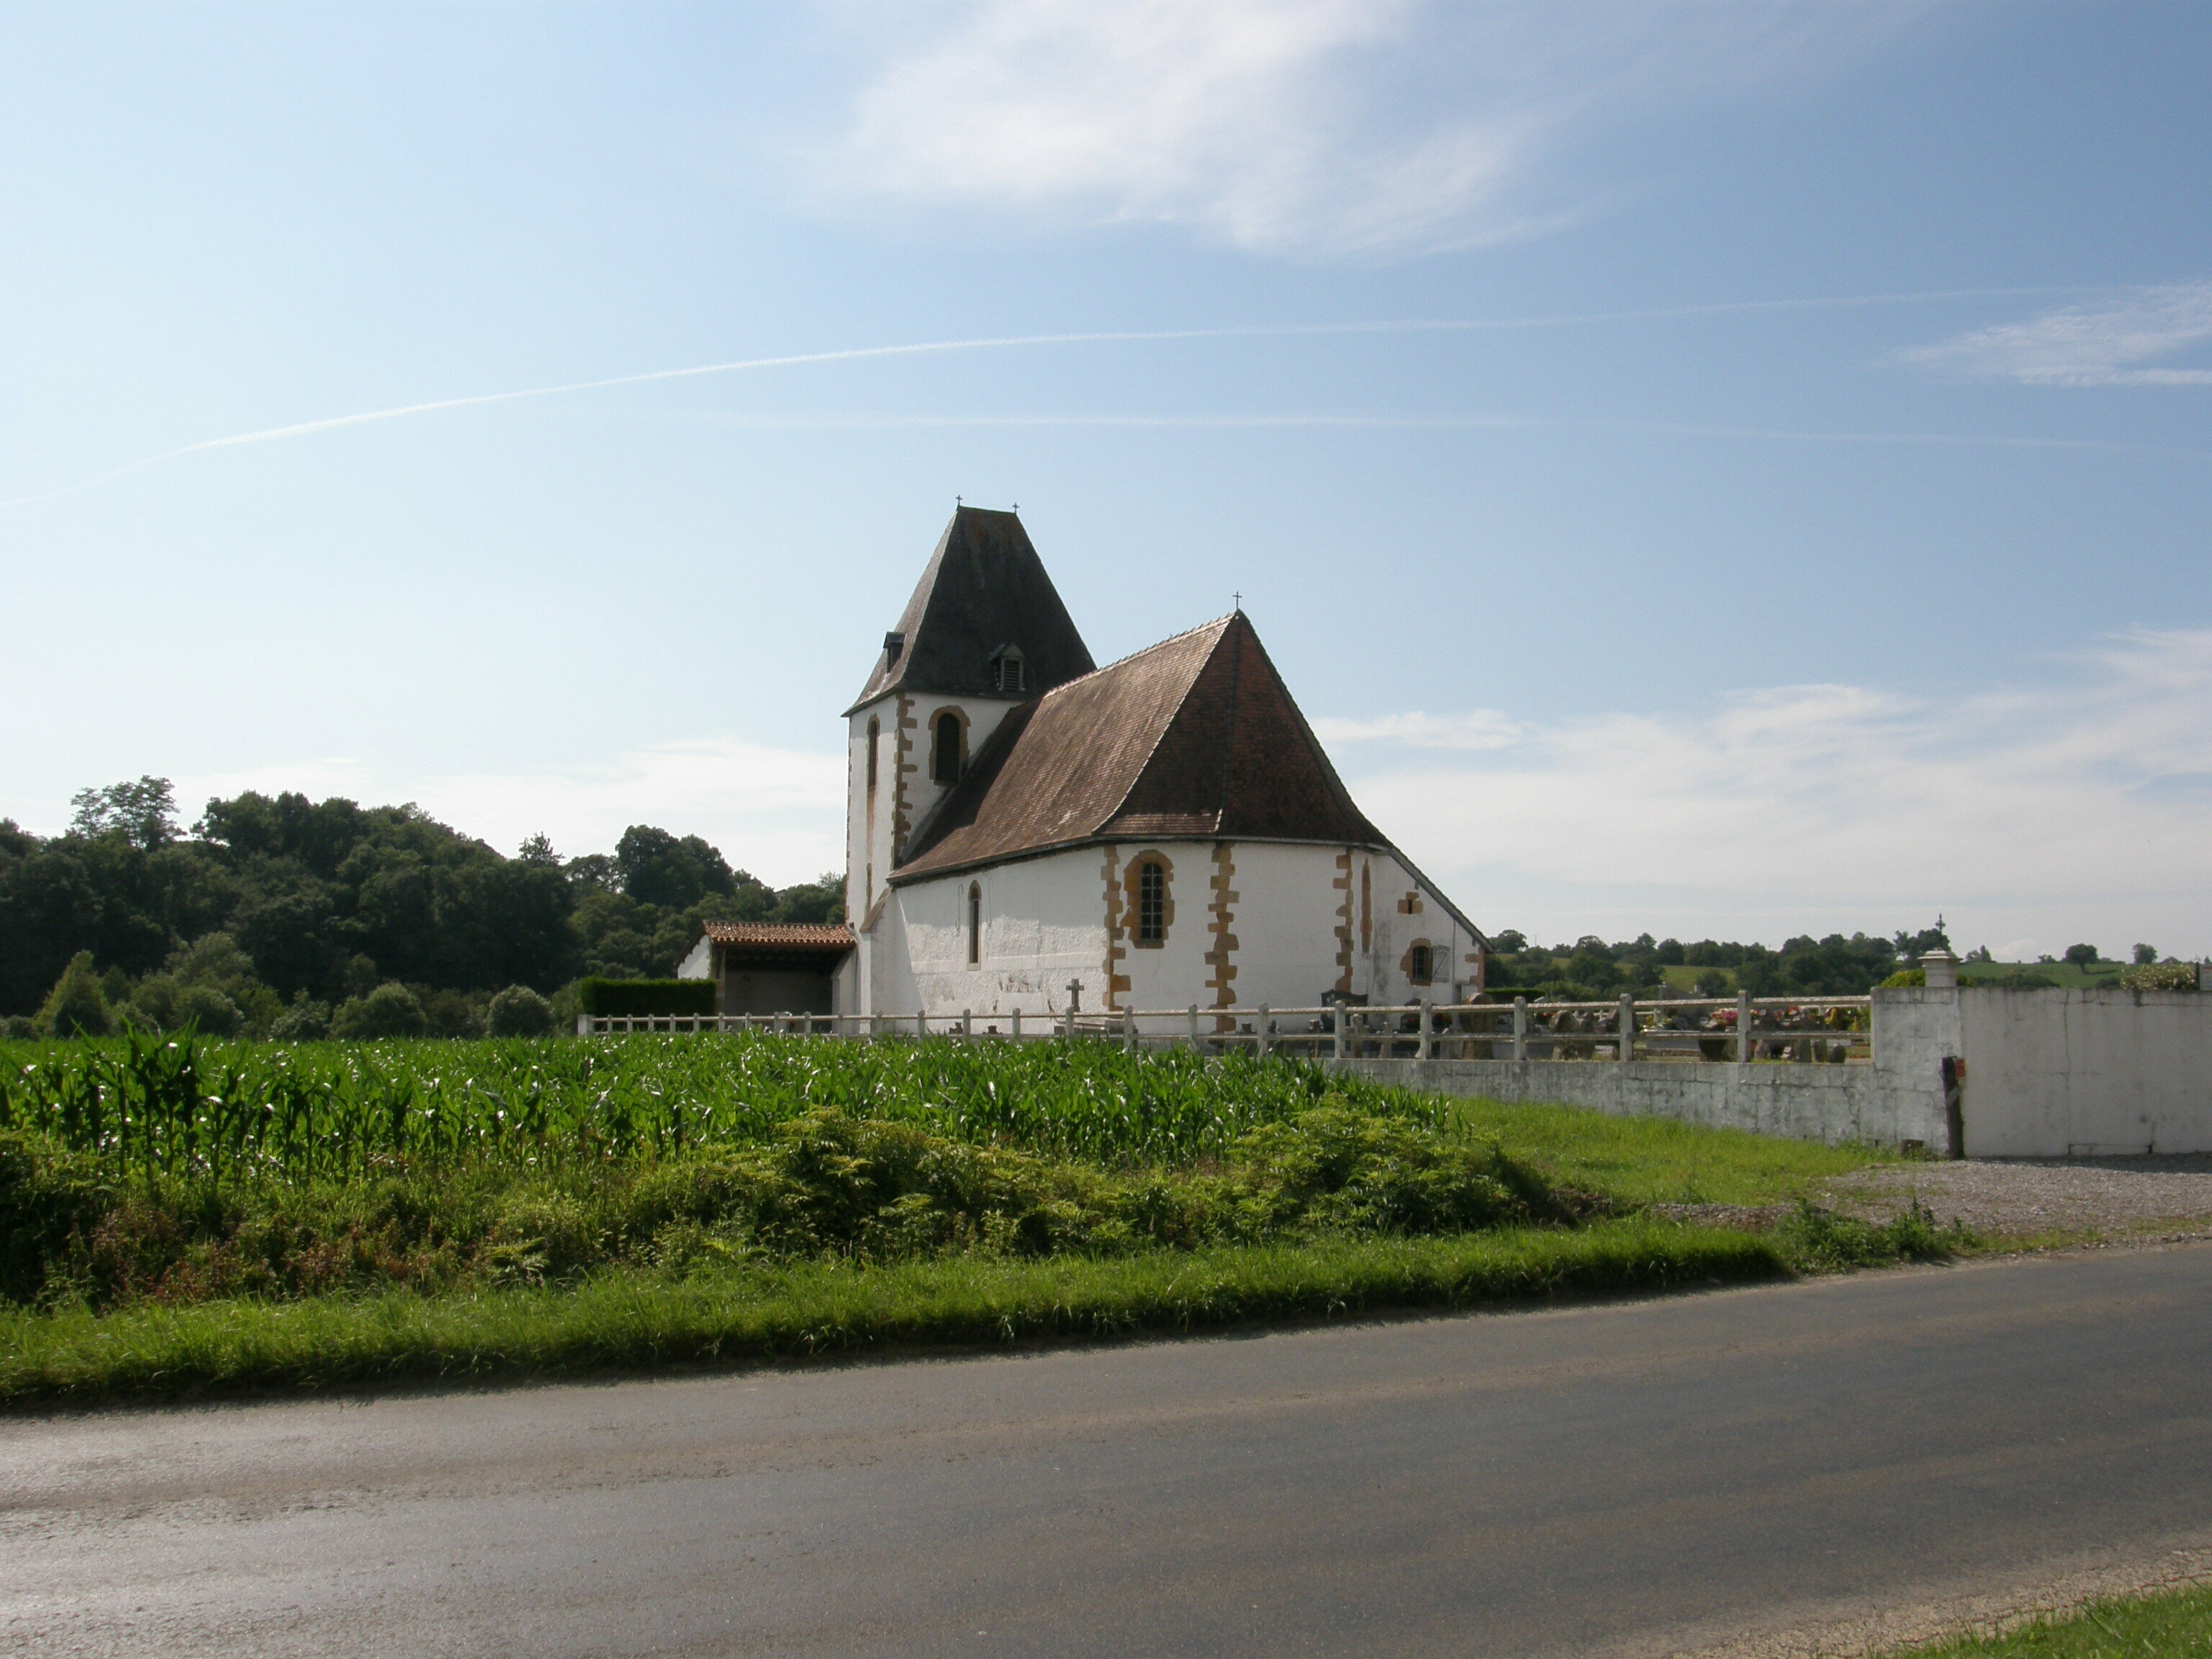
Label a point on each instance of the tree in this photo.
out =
(2081, 956)
(655, 867)
(538, 850)
(304, 1021)
(390, 1011)
(144, 813)
(1913, 946)
(821, 900)
(75, 1006)
(519, 1011)
(2146, 955)
(1509, 941)
(208, 1009)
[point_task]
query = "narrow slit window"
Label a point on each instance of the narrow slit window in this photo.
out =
(944, 764)
(1152, 903)
(875, 731)
(975, 924)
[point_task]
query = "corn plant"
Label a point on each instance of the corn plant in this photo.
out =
(339, 1110)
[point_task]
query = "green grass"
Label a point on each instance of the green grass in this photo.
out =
(1649, 1160)
(2148, 1628)
(627, 1321)
(178, 1217)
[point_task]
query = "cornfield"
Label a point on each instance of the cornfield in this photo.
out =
(339, 1110)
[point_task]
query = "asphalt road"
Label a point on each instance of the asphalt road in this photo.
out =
(1638, 1478)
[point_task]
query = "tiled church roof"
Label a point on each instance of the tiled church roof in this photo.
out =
(785, 935)
(1196, 737)
(985, 589)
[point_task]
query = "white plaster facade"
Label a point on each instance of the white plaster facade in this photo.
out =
(1281, 923)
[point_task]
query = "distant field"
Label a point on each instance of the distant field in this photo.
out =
(2064, 975)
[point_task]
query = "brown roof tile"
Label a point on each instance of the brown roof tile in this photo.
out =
(786, 935)
(1197, 736)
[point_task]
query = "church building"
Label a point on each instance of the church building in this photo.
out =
(1162, 832)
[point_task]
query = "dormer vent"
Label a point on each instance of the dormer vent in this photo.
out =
(894, 644)
(1006, 676)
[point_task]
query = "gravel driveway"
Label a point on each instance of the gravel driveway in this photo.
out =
(2111, 1197)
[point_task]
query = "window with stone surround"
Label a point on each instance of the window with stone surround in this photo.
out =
(948, 735)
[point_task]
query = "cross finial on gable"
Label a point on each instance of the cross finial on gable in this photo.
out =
(1238, 598)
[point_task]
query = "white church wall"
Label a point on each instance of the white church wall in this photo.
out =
(1284, 923)
(1045, 922)
(905, 791)
(1394, 928)
(1043, 925)
(1173, 973)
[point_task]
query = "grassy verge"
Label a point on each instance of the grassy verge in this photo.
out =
(1651, 1160)
(2151, 1627)
(632, 1321)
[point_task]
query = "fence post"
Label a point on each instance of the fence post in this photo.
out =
(1337, 1025)
(1421, 1014)
(921, 1023)
(1194, 1028)
(1628, 1027)
(1017, 1025)
(1743, 1028)
(967, 1024)
(1520, 1029)
(1128, 1030)
(1263, 1030)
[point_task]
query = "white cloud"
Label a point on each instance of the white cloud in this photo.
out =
(2113, 343)
(1479, 728)
(779, 813)
(1309, 126)
(2080, 811)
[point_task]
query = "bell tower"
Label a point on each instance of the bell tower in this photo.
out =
(984, 632)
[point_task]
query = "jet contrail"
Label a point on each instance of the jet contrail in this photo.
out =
(866, 422)
(999, 342)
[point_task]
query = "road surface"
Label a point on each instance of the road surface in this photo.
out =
(1637, 1478)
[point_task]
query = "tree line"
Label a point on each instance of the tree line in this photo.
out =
(1590, 969)
(292, 911)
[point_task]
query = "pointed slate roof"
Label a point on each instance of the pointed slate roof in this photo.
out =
(984, 589)
(1195, 737)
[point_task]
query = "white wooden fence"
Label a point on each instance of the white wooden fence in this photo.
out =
(1836, 1030)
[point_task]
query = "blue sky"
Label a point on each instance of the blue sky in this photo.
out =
(1789, 513)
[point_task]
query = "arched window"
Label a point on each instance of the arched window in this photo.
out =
(1421, 964)
(1151, 902)
(875, 731)
(975, 924)
(945, 760)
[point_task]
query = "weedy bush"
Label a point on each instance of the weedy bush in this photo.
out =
(822, 1185)
(1817, 1240)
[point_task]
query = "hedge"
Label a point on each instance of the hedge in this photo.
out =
(637, 998)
